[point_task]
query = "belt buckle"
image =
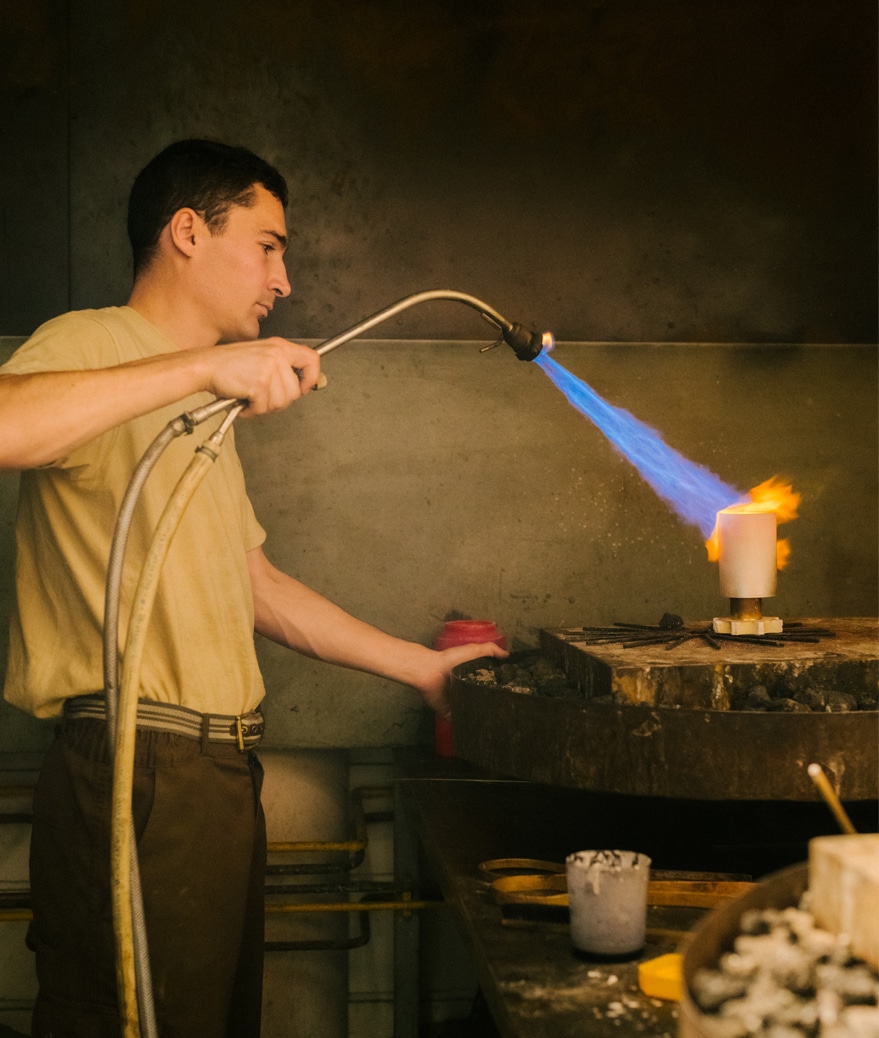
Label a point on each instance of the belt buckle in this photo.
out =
(239, 734)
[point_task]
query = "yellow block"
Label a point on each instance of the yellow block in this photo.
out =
(662, 977)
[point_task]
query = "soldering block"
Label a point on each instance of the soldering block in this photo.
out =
(662, 977)
(844, 890)
(765, 625)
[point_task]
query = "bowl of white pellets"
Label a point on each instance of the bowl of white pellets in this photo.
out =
(768, 964)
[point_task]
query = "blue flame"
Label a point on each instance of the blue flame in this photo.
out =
(693, 492)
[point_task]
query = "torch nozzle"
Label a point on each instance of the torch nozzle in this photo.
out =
(526, 345)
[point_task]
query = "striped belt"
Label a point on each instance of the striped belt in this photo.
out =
(244, 730)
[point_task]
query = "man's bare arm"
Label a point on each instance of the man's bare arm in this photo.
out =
(292, 614)
(44, 416)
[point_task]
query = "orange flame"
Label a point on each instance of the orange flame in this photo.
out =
(774, 495)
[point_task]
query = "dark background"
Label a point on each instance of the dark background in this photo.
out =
(631, 170)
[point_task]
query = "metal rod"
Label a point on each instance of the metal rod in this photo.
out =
(488, 312)
(296, 907)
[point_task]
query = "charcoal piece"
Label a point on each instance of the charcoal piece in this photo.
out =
(758, 699)
(812, 698)
(557, 686)
(840, 702)
(671, 622)
(867, 697)
(788, 706)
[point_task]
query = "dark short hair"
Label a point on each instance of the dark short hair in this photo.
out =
(203, 175)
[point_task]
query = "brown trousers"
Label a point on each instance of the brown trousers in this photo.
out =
(201, 848)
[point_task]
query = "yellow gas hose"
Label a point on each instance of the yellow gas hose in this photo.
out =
(123, 769)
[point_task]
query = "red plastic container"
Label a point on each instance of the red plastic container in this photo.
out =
(461, 632)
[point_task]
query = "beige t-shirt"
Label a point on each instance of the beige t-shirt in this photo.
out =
(199, 650)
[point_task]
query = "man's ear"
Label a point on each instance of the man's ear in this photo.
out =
(184, 227)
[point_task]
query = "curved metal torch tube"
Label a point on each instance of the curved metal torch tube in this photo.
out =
(526, 345)
(503, 325)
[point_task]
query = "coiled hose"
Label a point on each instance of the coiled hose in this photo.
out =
(133, 977)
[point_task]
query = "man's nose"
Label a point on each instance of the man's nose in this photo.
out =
(279, 282)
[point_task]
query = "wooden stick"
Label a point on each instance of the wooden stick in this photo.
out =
(816, 774)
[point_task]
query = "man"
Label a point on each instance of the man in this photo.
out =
(79, 404)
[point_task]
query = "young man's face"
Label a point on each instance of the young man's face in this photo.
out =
(241, 270)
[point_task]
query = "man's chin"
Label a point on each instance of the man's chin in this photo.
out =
(247, 334)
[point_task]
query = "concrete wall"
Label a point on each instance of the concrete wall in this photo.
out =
(642, 170)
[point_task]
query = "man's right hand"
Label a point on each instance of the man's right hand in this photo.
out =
(269, 373)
